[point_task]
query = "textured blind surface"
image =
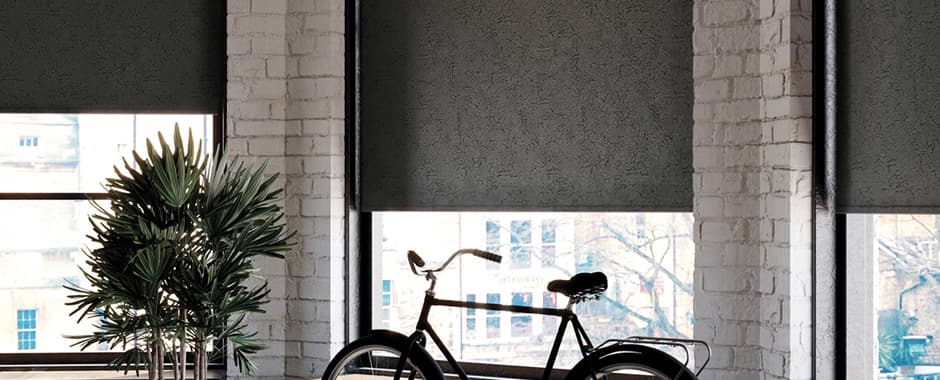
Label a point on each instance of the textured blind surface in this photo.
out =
(111, 55)
(889, 106)
(527, 105)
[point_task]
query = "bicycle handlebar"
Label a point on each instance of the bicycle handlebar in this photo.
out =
(488, 256)
(416, 261)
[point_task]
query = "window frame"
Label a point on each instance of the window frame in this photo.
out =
(360, 290)
(72, 361)
(829, 227)
(93, 361)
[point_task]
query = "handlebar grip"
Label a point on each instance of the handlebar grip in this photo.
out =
(487, 255)
(414, 259)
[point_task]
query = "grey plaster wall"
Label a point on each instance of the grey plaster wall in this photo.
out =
(889, 106)
(534, 105)
(111, 56)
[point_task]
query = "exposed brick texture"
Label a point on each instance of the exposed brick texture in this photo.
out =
(753, 204)
(285, 102)
(752, 158)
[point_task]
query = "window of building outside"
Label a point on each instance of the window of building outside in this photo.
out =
(42, 240)
(26, 329)
(893, 265)
(649, 269)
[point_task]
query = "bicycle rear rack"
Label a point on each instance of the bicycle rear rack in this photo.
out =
(684, 344)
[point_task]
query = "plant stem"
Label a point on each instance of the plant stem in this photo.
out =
(182, 350)
(205, 362)
(152, 366)
(175, 358)
(161, 352)
(196, 357)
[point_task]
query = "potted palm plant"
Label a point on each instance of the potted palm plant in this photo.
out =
(173, 267)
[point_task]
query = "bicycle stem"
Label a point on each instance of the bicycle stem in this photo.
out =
(429, 273)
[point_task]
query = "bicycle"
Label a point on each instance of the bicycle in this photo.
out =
(389, 353)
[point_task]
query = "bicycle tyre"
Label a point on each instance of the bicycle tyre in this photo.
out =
(377, 354)
(627, 360)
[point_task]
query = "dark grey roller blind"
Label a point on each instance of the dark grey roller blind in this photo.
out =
(527, 105)
(888, 106)
(111, 55)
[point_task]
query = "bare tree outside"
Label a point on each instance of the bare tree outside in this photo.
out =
(647, 257)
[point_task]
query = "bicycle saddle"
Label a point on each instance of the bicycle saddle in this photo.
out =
(581, 285)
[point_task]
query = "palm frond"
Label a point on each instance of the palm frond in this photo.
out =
(176, 243)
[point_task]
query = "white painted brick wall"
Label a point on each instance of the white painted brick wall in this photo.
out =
(753, 207)
(285, 105)
(751, 158)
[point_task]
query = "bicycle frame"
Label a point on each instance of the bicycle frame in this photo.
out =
(566, 315)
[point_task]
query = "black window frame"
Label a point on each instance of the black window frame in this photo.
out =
(359, 224)
(95, 361)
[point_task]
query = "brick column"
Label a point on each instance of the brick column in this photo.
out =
(257, 98)
(285, 105)
(316, 317)
(752, 158)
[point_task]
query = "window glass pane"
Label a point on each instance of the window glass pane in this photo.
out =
(492, 298)
(492, 243)
(75, 153)
(521, 232)
(894, 272)
(521, 257)
(521, 323)
(471, 330)
(40, 251)
(471, 298)
(548, 256)
(538, 248)
(492, 236)
(492, 327)
(548, 231)
(522, 299)
(521, 326)
(549, 323)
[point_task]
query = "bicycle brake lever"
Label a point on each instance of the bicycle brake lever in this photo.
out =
(413, 260)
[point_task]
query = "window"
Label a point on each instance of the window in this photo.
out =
(550, 323)
(64, 159)
(580, 241)
(640, 227)
(26, 329)
(893, 275)
(386, 301)
(492, 242)
(548, 243)
(471, 321)
(492, 317)
(521, 323)
(520, 244)
(471, 328)
(586, 262)
(386, 292)
(29, 141)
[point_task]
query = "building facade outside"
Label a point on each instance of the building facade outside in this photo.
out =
(41, 247)
(906, 291)
(647, 258)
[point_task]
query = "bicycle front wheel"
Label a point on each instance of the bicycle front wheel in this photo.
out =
(631, 364)
(377, 355)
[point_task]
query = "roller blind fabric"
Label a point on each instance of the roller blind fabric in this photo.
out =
(111, 56)
(527, 105)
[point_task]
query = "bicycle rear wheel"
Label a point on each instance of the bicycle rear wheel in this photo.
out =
(633, 363)
(377, 355)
